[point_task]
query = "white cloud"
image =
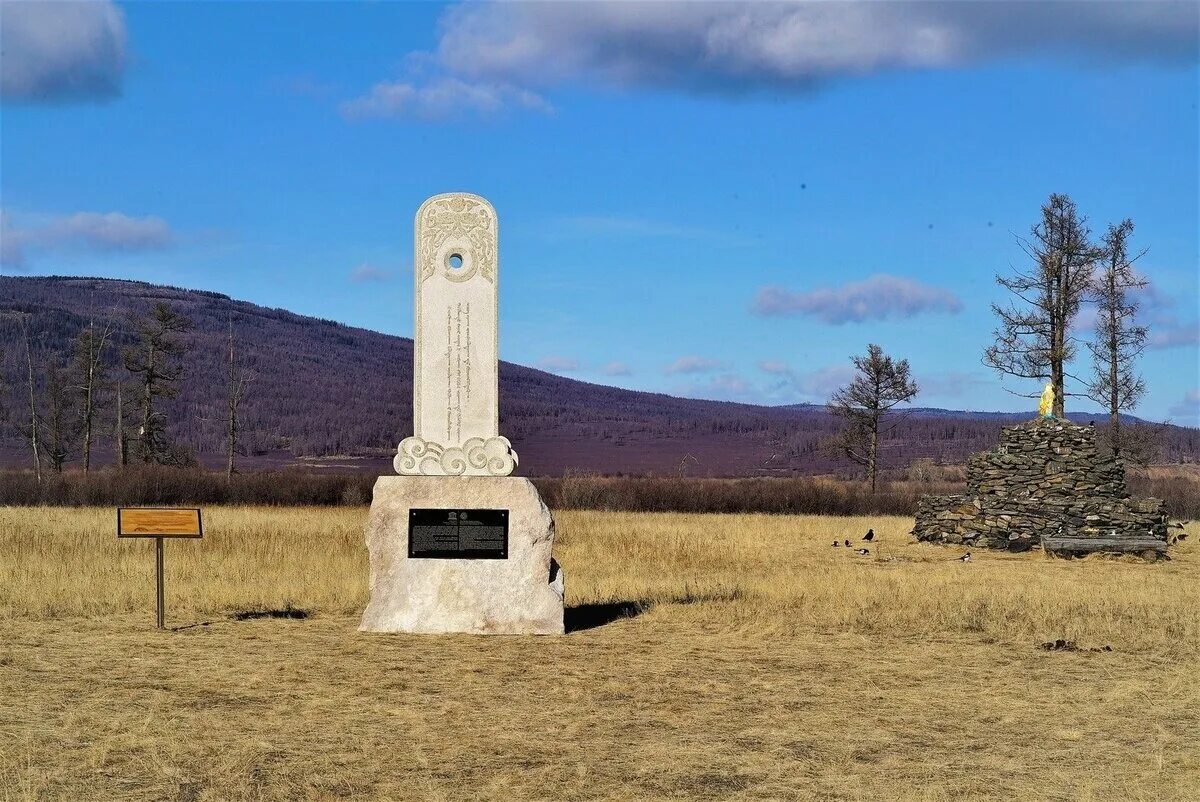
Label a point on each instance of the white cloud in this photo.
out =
(493, 55)
(694, 364)
(558, 364)
(1152, 298)
(12, 254)
(1088, 317)
(1187, 411)
(953, 384)
(879, 297)
(775, 366)
(791, 386)
(725, 387)
(819, 384)
(1167, 332)
(104, 232)
(367, 272)
(442, 99)
(729, 385)
(1165, 329)
(110, 231)
(730, 382)
(733, 47)
(616, 369)
(61, 51)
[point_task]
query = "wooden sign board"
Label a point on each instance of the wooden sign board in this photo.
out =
(158, 522)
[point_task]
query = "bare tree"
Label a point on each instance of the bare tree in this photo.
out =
(156, 361)
(1034, 340)
(238, 381)
(60, 416)
(1142, 442)
(4, 390)
(122, 442)
(864, 405)
(32, 433)
(90, 371)
(1119, 341)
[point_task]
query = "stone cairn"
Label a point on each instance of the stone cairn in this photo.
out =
(1045, 483)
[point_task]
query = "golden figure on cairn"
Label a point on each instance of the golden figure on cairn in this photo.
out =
(1046, 406)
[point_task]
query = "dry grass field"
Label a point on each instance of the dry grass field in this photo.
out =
(710, 657)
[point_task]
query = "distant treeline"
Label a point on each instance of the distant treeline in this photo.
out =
(802, 495)
(151, 485)
(323, 389)
(145, 485)
(783, 496)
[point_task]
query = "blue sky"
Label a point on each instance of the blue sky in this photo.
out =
(707, 200)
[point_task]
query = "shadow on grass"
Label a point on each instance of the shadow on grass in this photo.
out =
(590, 616)
(284, 612)
(182, 627)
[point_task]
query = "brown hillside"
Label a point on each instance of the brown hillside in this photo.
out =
(336, 396)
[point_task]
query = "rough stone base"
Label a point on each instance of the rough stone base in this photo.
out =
(521, 595)
(1045, 480)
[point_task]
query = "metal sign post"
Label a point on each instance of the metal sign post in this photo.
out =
(159, 523)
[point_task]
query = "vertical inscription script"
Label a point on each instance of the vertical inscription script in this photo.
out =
(458, 368)
(456, 376)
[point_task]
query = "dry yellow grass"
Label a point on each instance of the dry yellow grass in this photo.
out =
(764, 664)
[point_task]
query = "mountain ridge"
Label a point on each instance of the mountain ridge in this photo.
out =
(330, 394)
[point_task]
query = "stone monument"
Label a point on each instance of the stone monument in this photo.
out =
(1046, 485)
(457, 544)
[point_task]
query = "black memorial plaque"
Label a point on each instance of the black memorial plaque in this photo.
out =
(458, 534)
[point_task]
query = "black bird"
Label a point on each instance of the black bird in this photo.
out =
(869, 536)
(836, 544)
(863, 552)
(847, 543)
(966, 558)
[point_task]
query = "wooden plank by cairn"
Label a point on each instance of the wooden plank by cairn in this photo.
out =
(1122, 543)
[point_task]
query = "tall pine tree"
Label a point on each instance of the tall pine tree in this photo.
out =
(1119, 340)
(865, 403)
(1034, 336)
(156, 360)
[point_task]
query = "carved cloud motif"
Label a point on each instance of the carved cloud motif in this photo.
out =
(476, 457)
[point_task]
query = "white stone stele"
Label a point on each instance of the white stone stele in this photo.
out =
(456, 369)
(520, 595)
(456, 458)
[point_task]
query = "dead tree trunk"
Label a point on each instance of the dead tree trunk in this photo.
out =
(122, 452)
(34, 440)
(89, 354)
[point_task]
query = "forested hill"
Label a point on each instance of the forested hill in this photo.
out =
(334, 395)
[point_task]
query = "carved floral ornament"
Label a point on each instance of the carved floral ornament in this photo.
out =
(459, 226)
(418, 457)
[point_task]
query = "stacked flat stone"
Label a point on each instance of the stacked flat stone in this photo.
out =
(1045, 478)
